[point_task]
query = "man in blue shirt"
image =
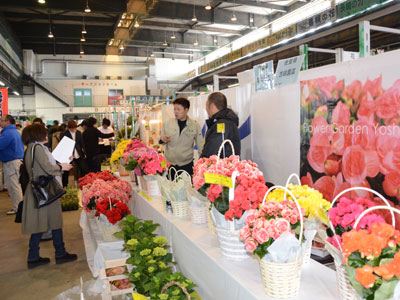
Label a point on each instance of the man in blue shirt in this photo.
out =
(11, 154)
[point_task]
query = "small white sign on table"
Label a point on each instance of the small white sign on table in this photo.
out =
(288, 70)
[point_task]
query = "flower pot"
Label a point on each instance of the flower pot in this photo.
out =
(122, 171)
(107, 229)
(228, 236)
(152, 185)
(281, 280)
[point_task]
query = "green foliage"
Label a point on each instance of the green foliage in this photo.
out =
(132, 164)
(70, 200)
(152, 264)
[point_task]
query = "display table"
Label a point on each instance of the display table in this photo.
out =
(199, 257)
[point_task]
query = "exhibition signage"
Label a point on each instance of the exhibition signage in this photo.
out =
(264, 76)
(3, 102)
(351, 7)
(317, 20)
(288, 70)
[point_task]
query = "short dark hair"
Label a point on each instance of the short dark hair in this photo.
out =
(84, 123)
(106, 122)
(72, 124)
(91, 121)
(34, 133)
(219, 100)
(18, 125)
(62, 127)
(10, 119)
(182, 101)
(38, 120)
(55, 122)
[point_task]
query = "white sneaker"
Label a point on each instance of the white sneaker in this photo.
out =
(11, 212)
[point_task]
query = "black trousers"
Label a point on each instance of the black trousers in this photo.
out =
(81, 169)
(188, 168)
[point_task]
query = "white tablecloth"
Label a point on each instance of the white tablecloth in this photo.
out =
(199, 258)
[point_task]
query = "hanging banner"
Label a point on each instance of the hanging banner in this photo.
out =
(288, 70)
(3, 102)
(285, 33)
(351, 7)
(264, 76)
(317, 20)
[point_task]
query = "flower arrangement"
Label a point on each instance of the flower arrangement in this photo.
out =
(373, 260)
(264, 226)
(249, 186)
(88, 179)
(152, 264)
(308, 198)
(116, 189)
(152, 163)
(119, 152)
(114, 210)
(134, 144)
(344, 215)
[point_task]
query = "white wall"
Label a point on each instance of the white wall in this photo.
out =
(169, 69)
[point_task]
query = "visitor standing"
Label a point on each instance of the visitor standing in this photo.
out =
(105, 147)
(219, 113)
(91, 143)
(36, 221)
(79, 162)
(180, 135)
(56, 136)
(11, 154)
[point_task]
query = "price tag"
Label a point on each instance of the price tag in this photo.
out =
(144, 195)
(218, 179)
(138, 297)
(163, 164)
(221, 127)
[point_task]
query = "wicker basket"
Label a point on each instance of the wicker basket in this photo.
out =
(307, 254)
(180, 208)
(211, 225)
(198, 215)
(231, 246)
(122, 171)
(281, 280)
(346, 291)
(108, 230)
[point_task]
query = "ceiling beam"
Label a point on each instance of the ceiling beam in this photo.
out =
(256, 4)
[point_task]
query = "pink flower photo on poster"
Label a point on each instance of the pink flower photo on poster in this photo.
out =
(350, 136)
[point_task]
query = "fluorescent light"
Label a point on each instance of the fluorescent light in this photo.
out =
(233, 85)
(16, 93)
(2, 83)
(42, 1)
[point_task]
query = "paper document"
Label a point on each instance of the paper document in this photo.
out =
(106, 142)
(64, 150)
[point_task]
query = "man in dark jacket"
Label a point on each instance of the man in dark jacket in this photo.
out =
(91, 143)
(218, 113)
(81, 168)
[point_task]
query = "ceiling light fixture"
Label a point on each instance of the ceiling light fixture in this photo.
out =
(110, 42)
(81, 52)
(152, 54)
(123, 16)
(208, 6)
(83, 25)
(251, 19)
(165, 44)
(50, 35)
(194, 19)
(83, 38)
(196, 43)
(165, 38)
(173, 36)
(137, 25)
(16, 93)
(2, 83)
(42, 1)
(233, 19)
(121, 47)
(87, 8)
(215, 40)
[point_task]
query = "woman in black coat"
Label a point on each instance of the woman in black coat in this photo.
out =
(91, 143)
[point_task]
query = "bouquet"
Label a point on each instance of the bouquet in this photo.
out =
(114, 210)
(91, 177)
(344, 215)
(119, 152)
(249, 186)
(117, 189)
(313, 202)
(373, 260)
(133, 145)
(152, 163)
(266, 225)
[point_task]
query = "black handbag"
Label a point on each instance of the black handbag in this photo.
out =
(46, 189)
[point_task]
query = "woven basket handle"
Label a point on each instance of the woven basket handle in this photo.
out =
(222, 147)
(288, 181)
(179, 174)
(355, 189)
(169, 284)
(392, 209)
(295, 201)
(169, 172)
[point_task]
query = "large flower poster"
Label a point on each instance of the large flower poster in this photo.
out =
(350, 135)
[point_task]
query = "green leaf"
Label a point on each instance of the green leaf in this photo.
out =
(356, 261)
(385, 291)
(385, 261)
(351, 273)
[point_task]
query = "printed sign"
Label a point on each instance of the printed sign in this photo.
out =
(3, 102)
(317, 20)
(264, 76)
(218, 179)
(288, 70)
(351, 7)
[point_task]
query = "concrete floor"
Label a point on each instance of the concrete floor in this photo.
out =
(44, 282)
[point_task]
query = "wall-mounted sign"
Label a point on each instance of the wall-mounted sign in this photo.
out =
(264, 76)
(288, 70)
(317, 20)
(3, 102)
